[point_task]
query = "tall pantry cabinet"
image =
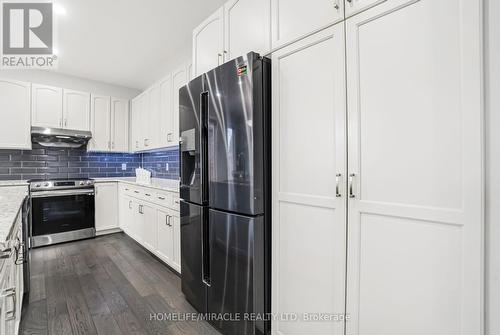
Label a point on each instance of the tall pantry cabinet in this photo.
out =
(380, 219)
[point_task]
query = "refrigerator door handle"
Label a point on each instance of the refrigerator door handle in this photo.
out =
(205, 249)
(204, 146)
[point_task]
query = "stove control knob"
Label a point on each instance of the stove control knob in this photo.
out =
(46, 184)
(37, 185)
(82, 183)
(89, 182)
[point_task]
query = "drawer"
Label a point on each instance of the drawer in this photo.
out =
(163, 199)
(125, 189)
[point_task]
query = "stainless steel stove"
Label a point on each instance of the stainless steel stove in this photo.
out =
(62, 210)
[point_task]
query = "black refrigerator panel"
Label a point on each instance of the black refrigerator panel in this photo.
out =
(193, 142)
(237, 281)
(236, 134)
(194, 259)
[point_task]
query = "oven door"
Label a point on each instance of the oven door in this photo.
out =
(55, 212)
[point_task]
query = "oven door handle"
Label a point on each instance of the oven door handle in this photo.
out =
(61, 193)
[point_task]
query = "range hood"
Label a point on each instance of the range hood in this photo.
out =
(62, 138)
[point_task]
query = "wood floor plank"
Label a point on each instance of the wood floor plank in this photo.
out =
(37, 287)
(106, 324)
(93, 296)
(34, 319)
(79, 314)
(57, 309)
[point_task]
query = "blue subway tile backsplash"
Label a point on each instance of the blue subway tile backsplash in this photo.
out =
(50, 163)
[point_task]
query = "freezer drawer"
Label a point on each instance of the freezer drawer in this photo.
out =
(237, 280)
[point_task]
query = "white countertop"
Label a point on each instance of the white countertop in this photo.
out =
(169, 185)
(11, 202)
(4, 183)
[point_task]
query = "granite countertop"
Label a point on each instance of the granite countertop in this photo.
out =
(11, 203)
(169, 185)
(4, 183)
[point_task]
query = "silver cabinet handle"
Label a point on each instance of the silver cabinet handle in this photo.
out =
(219, 56)
(168, 221)
(136, 192)
(161, 198)
(147, 194)
(61, 122)
(337, 185)
(10, 293)
(351, 191)
(130, 204)
(65, 122)
(137, 144)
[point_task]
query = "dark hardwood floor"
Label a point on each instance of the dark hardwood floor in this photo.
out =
(106, 286)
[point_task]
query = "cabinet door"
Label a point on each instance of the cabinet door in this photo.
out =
(415, 216)
(175, 223)
(309, 223)
(15, 103)
(166, 111)
(352, 7)
(101, 123)
(119, 124)
(135, 126)
(165, 236)
(149, 229)
(293, 19)
(126, 213)
(208, 43)
(137, 222)
(152, 139)
(106, 206)
(247, 27)
(179, 79)
(76, 110)
(144, 120)
(46, 106)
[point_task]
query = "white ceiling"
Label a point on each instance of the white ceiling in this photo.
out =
(129, 43)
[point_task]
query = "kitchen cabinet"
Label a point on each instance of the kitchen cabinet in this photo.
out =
(76, 110)
(106, 207)
(46, 106)
(151, 217)
(407, 219)
(320, 259)
(208, 43)
(100, 118)
(179, 79)
(294, 19)
(166, 112)
(119, 125)
(153, 118)
(11, 283)
(247, 27)
(15, 104)
(135, 127)
(412, 77)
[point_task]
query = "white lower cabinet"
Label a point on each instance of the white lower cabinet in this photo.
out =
(152, 219)
(106, 207)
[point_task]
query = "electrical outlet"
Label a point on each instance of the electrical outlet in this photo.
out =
(124, 166)
(166, 166)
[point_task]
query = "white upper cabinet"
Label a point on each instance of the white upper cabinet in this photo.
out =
(15, 102)
(208, 43)
(353, 7)
(293, 19)
(415, 233)
(119, 125)
(135, 127)
(247, 27)
(152, 139)
(76, 110)
(47, 106)
(179, 79)
(100, 123)
(166, 111)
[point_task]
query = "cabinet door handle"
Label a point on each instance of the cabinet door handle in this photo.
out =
(136, 192)
(130, 204)
(219, 57)
(351, 189)
(10, 293)
(137, 144)
(161, 198)
(147, 194)
(337, 185)
(166, 220)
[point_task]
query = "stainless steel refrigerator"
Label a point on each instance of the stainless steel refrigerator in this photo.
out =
(225, 149)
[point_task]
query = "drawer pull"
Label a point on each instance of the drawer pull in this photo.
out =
(147, 194)
(136, 191)
(161, 198)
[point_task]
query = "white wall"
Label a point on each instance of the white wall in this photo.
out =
(492, 126)
(70, 82)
